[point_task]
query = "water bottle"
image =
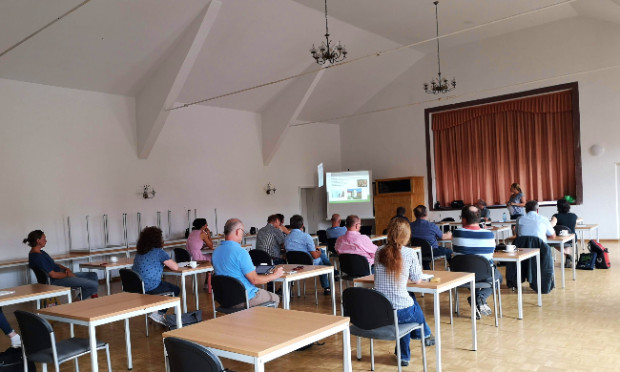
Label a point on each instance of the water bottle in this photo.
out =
(504, 217)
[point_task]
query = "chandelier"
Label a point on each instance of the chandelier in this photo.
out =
(326, 52)
(439, 84)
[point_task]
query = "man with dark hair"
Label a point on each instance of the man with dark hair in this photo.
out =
(400, 213)
(354, 242)
(421, 228)
(533, 224)
(282, 227)
(298, 240)
(485, 213)
(232, 260)
(335, 231)
(473, 240)
(270, 239)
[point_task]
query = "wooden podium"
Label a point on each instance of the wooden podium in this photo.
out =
(392, 193)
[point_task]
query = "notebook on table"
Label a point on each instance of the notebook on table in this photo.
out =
(264, 269)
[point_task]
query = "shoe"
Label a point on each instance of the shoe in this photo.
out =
(327, 292)
(16, 341)
(568, 263)
(404, 363)
(94, 296)
(485, 310)
(429, 341)
(157, 318)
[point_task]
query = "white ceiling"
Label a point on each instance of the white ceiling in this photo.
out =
(113, 46)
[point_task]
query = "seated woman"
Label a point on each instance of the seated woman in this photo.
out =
(16, 340)
(565, 218)
(149, 263)
(198, 239)
(395, 264)
(59, 274)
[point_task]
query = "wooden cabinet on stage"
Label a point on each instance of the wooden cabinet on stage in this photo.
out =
(392, 193)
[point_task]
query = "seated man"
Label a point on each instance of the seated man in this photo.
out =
(471, 239)
(232, 260)
(270, 239)
(354, 242)
(485, 213)
(400, 213)
(533, 224)
(423, 229)
(335, 231)
(300, 241)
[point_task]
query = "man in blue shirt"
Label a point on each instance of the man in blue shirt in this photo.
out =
(300, 241)
(533, 224)
(232, 260)
(421, 228)
(335, 231)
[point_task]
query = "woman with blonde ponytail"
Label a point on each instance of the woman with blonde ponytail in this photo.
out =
(395, 265)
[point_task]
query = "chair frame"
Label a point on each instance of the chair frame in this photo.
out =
(234, 310)
(205, 352)
(348, 277)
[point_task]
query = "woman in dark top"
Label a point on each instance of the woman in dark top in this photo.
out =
(564, 217)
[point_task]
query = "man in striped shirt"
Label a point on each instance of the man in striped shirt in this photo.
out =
(471, 239)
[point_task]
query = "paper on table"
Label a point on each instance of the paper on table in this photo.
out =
(426, 277)
(4, 293)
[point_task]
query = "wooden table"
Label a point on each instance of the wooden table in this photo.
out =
(517, 256)
(308, 271)
(33, 292)
(202, 267)
(447, 281)
(108, 266)
(261, 334)
(581, 229)
(496, 230)
(377, 238)
(108, 309)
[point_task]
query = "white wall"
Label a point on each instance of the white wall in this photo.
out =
(71, 153)
(392, 144)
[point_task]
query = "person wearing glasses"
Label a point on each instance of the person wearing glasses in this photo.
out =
(354, 242)
(230, 259)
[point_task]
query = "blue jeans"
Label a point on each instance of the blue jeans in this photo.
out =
(322, 260)
(483, 293)
(4, 324)
(411, 314)
(164, 287)
(89, 282)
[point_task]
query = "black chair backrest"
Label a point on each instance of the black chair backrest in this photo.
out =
(35, 332)
(322, 234)
(471, 263)
(447, 227)
(367, 308)
(131, 281)
(354, 265)
(299, 258)
(259, 256)
(366, 230)
(42, 276)
(228, 291)
(331, 244)
(181, 255)
(384, 232)
(559, 228)
(427, 250)
(187, 356)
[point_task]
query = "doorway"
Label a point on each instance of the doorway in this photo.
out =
(313, 205)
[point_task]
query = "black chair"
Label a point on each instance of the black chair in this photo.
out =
(182, 255)
(485, 278)
(260, 257)
(302, 258)
(447, 228)
(187, 356)
(229, 292)
(352, 266)
(331, 247)
(372, 316)
(427, 252)
(322, 234)
(39, 343)
(44, 278)
(132, 282)
(366, 230)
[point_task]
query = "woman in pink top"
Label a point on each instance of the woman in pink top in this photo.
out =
(198, 239)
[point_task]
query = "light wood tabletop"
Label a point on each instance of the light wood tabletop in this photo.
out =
(305, 272)
(447, 280)
(31, 292)
(183, 271)
(517, 256)
(107, 264)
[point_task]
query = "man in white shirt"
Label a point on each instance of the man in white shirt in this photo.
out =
(533, 224)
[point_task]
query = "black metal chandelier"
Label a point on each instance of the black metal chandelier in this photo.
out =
(326, 52)
(439, 84)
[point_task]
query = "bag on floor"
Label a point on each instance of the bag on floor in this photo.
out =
(11, 361)
(186, 318)
(587, 261)
(602, 254)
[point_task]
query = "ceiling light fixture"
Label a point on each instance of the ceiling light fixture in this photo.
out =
(326, 52)
(438, 84)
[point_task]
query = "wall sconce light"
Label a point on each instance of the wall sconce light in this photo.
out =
(270, 189)
(148, 192)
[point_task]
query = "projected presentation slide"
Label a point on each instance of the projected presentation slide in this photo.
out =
(348, 187)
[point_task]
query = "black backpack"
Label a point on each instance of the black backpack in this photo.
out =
(11, 361)
(587, 261)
